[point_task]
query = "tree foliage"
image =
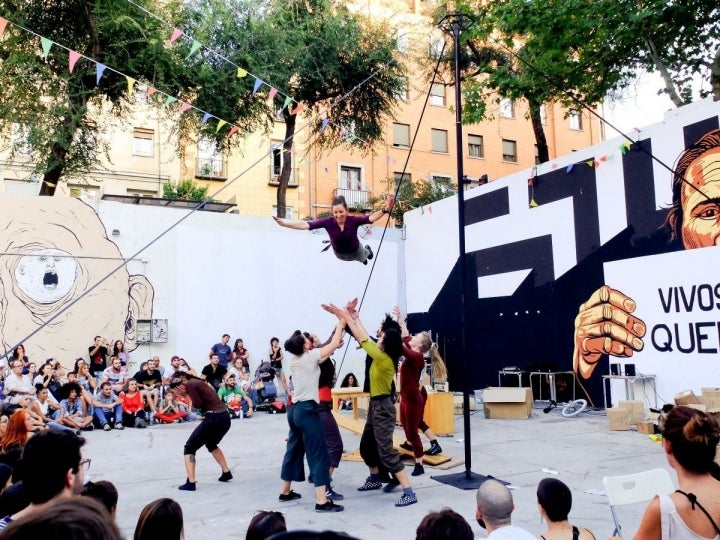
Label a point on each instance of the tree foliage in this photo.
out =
(415, 194)
(186, 190)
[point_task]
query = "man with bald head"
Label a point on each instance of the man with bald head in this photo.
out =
(494, 507)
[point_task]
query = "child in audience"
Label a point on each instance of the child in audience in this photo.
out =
(170, 413)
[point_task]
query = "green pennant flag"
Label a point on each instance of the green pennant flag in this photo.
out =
(195, 47)
(46, 44)
(288, 101)
(169, 100)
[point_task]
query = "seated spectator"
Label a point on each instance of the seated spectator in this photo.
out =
(87, 382)
(76, 518)
(56, 384)
(133, 405)
(119, 351)
(174, 366)
(235, 398)
(149, 382)
(17, 384)
(162, 518)
(264, 384)
(170, 413)
(75, 413)
(494, 511)
(108, 408)
(5, 476)
(116, 374)
(19, 430)
(157, 366)
(241, 353)
(186, 368)
(185, 406)
(44, 376)
(103, 492)
(214, 373)
(31, 370)
(46, 408)
(264, 524)
(554, 502)
(443, 525)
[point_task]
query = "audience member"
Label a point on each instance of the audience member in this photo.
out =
(119, 351)
(554, 502)
(222, 350)
(19, 430)
(47, 409)
(160, 519)
(214, 372)
(74, 411)
(349, 381)
(264, 524)
(98, 352)
(87, 382)
(443, 525)
(108, 408)
(149, 382)
(158, 367)
(170, 412)
(17, 384)
(53, 468)
(242, 354)
(103, 492)
(186, 368)
(76, 518)
(494, 508)
(133, 405)
(235, 398)
(19, 354)
(116, 374)
(174, 366)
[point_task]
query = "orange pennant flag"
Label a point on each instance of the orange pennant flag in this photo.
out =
(3, 25)
(297, 109)
(233, 130)
(74, 57)
(151, 90)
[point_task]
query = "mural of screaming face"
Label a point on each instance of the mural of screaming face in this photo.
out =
(52, 251)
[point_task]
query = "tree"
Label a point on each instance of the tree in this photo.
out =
(186, 190)
(414, 194)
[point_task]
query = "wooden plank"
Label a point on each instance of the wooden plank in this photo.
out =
(437, 459)
(353, 425)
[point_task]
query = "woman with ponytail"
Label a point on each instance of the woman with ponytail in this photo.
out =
(690, 440)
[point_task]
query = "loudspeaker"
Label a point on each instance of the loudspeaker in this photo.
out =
(630, 370)
(614, 369)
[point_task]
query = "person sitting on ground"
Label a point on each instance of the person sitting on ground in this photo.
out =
(235, 398)
(239, 352)
(44, 375)
(56, 384)
(53, 468)
(87, 382)
(186, 368)
(74, 412)
(214, 372)
(17, 384)
(265, 524)
(115, 374)
(174, 366)
(78, 518)
(133, 405)
(170, 412)
(184, 404)
(690, 441)
(38, 420)
(103, 492)
(149, 381)
(554, 503)
(107, 408)
(443, 525)
(494, 510)
(162, 518)
(19, 430)
(48, 410)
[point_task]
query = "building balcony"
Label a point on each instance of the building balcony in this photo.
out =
(211, 169)
(274, 177)
(355, 198)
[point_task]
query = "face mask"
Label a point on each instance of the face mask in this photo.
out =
(481, 523)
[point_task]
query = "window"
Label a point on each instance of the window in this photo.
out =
(402, 92)
(277, 160)
(507, 108)
(401, 134)
(351, 178)
(210, 162)
(442, 181)
(436, 44)
(402, 38)
(437, 95)
(576, 120)
(509, 149)
(439, 138)
(475, 146)
(399, 177)
(143, 142)
(20, 134)
(289, 211)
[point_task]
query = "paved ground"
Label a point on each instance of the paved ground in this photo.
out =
(147, 464)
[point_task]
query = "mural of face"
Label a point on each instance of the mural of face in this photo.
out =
(701, 206)
(55, 249)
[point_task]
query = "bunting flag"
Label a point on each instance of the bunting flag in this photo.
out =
(45, 44)
(207, 116)
(185, 106)
(603, 158)
(99, 70)
(150, 91)
(176, 33)
(324, 125)
(130, 84)
(590, 162)
(73, 57)
(3, 25)
(625, 146)
(271, 94)
(241, 73)
(221, 123)
(195, 48)
(169, 100)
(258, 84)
(569, 168)
(533, 204)
(297, 109)
(233, 130)
(288, 101)
(554, 166)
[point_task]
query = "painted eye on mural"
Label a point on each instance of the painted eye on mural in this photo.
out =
(46, 275)
(707, 211)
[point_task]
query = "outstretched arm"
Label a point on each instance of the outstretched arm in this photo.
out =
(399, 318)
(386, 209)
(292, 224)
(327, 350)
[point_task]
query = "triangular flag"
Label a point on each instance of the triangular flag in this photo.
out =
(272, 93)
(99, 70)
(430, 209)
(297, 109)
(3, 25)
(241, 72)
(73, 56)
(169, 100)
(603, 158)
(46, 44)
(130, 84)
(205, 118)
(531, 183)
(258, 84)
(288, 101)
(569, 168)
(590, 163)
(533, 204)
(195, 47)
(221, 123)
(150, 91)
(233, 130)
(324, 125)
(176, 33)
(596, 163)
(554, 166)
(185, 106)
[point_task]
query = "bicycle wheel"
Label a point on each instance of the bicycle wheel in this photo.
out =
(574, 408)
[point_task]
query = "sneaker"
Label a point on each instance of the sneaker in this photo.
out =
(370, 252)
(119, 426)
(391, 485)
(329, 506)
(224, 477)
(88, 428)
(406, 500)
(289, 497)
(187, 486)
(406, 446)
(107, 427)
(332, 495)
(434, 449)
(370, 485)
(418, 470)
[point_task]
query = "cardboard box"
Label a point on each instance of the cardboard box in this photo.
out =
(711, 398)
(698, 406)
(635, 409)
(507, 403)
(646, 427)
(686, 397)
(458, 403)
(618, 419)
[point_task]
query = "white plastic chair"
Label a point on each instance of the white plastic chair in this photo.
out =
(635, 488)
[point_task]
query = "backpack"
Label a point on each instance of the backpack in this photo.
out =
(277, 407)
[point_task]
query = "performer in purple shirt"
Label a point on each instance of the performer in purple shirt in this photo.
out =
(342, 229)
